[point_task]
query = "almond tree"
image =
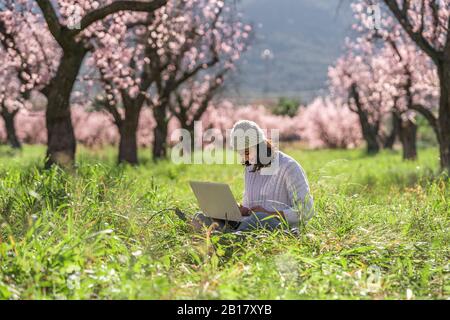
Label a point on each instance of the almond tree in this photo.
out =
(357, 78)
(210, 43)
(190, 100)
(27, 63)
(177, 44)
(72, 25)
(8, 103)
(427, 24)
(412, 78)
(415, 83)
(379, 80)
(327, 123)
(119, 57)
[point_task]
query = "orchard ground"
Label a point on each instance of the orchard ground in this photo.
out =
(381, 230)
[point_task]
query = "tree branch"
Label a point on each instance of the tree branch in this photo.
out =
(401, 14)
(431, 118)
(107, 104)
(101, 13)
(52, 20)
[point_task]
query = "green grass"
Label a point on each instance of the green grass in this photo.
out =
(102, 232)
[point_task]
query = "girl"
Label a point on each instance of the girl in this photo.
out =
(276, 192)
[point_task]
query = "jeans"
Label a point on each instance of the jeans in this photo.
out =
(259, 220)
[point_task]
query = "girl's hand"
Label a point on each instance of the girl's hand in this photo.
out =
(261, 209)
(244, 210)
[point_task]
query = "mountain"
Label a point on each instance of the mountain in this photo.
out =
(303, 37)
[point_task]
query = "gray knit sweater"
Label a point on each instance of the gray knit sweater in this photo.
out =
(285, 189)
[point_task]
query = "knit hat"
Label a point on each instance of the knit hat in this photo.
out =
(246, 134)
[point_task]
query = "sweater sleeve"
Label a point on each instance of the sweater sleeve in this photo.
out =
(300, 199)
(245, 201)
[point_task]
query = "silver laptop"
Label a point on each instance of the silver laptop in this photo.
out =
(216, 200)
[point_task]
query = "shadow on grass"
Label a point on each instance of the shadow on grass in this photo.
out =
(6, 151)
(404, 178)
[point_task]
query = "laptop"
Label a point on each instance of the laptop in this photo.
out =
(216, 200)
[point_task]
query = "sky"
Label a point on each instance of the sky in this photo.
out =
(303, 37)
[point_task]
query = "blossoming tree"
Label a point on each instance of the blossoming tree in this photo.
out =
(72, 24)
(27, 62)
(328, 123)
(191, 99)
(410, 77)
(358, 78)
(208, 42)
(185, 44)
(427, 24)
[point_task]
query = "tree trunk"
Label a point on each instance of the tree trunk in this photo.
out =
(189, 127)
(160, 133)
(444, 114)
(390, 140)
(128, 149)
(369, 131)
(370, 134)
(11, 134)
(61, 143)
(408, 138)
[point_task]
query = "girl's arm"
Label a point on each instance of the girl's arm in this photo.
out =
(300, 200)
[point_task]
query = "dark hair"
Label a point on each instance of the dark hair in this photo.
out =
(264, 151)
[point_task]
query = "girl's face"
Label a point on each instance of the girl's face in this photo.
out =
(248, 155)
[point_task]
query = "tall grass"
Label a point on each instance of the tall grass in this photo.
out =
(103, 231)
